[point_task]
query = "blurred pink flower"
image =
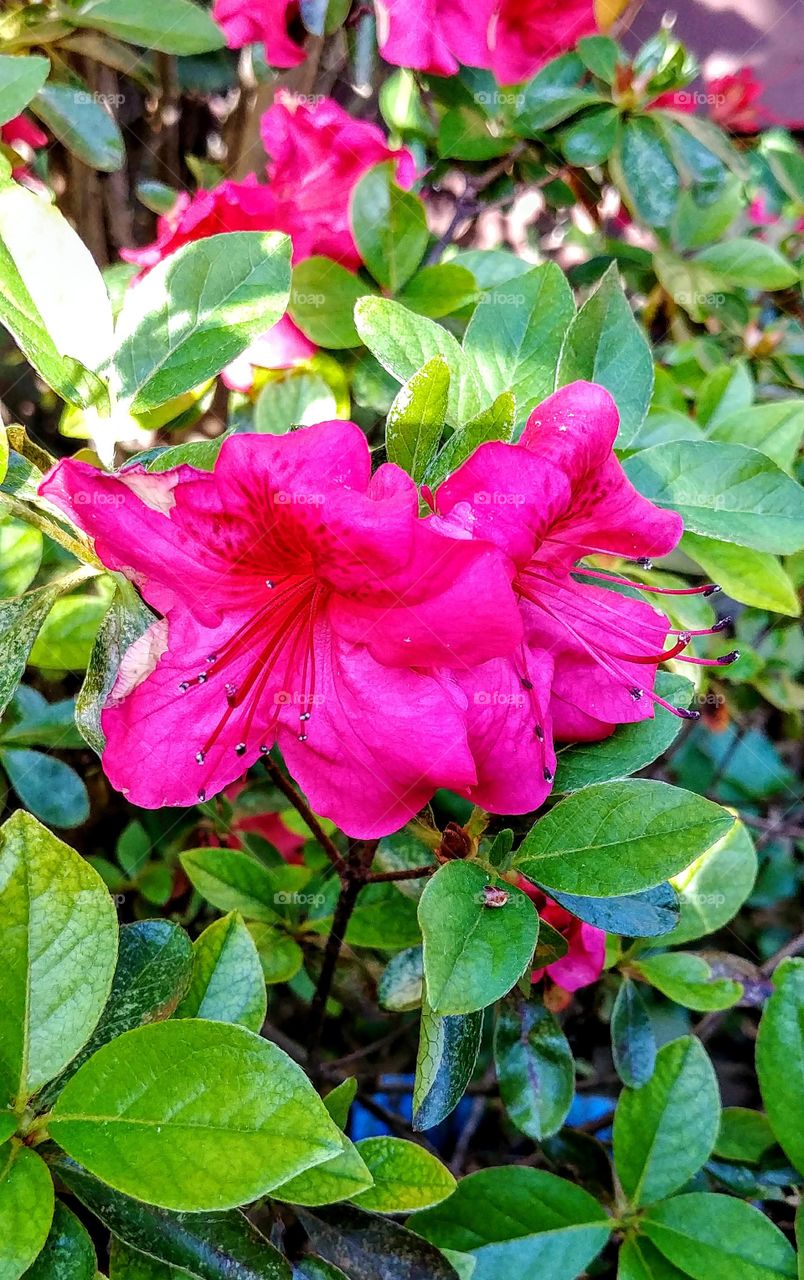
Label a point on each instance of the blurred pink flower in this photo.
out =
(231, 206)
(21, 134)
(317, 154)
(270, 826)
(590, 654)
(261, 21)
(735, 102)
(281, 347)
(584, 961)
(512, 38)
(305, 603)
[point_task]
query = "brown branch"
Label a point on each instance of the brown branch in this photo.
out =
(302, 807)
(409, 873)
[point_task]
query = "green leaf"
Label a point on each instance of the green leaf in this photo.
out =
(233, 881)
(383, 919)
(69, 1253)
(774, 429)
(630, 747)
(26, 1208)
(648, 914)
(633, 1046)
(723, 491)
(416, 419)
(604, 344)
(744, 1135)
(78, 118)
(689, 980)
(60, 933)
(280, 956)
(518, 1221)
(47, 786)
(20, 621)
(345, 1175)
(8, 1125)
(370, 1247)
(439, 290)
(339, 1100)
(172, 26)
(66, 639)
(389, 226)
(126, 619)
(165, 1094)
(227, 983)
(700, 220)
(535, 1068)
(126, 1263)
(297, 400)
(752, 577)
(664, 1131)
(553, 95)
(495, 423)
(54, 301)
(219, 1246)
(600, 55)
(196, 311)
(646, 173)
(473, 952)
(639, 1260)
(465, 134)
(750, 263)
(322, 302)
(516, 334)
(402, 983)
(316, 1269)
(406, 1176)
(619, 838)
(780, 1059)
(713, 888)
(591, 138)
(20, 556)
(713, 1237)
(403, 342)
(20, 79)
(448, 1049)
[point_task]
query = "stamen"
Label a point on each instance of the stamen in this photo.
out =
(720, 625)
(202, 795)
(704, 589)
(240, 749)
(652, 658)
(724, 660)
(200, 757)
(548, 775)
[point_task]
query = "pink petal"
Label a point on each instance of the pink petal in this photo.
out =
(251, 21)
(525, 34)
(280, 348)
(413, 38)
(380, 740)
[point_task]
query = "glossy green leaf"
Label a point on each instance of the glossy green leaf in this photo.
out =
(389, 226)
(619, 838)
(316, 1269)
(345, 1175)
(322, 302)
(173, 26)
(53, 301)
(689, 980)
(214, 1246)
(780, 1059)
(60, 932)
(383, 919)
(126, 619)
(712, 889)
(126, 1263)
(750, 263)
(8, 1125)
(448, 1049)
(26, 1208)
(724, 491)
(20, 556)
(774, 429)
(369, 1247)
(280, 955)
(233, 881)
(714, 1237)
(196, 311)
(406, 1176)
(648, 914)
(416, 419)
(518, 1221)
(701, 220)
(69, 1253)
(49, 788)
(402, 983)
(495, 423)
(752, 577)
(66, 639)
(78, 118)
(439, 290)
(640, 1260)
(165, 1093)
(20, 78)
(599, 54)
(339, 1100)
(744, 1135)
(297, 400)
(646, 172)
(665, 1131)
(516, 334)
(403, 342)
(604, 344)
(473, 952)
(535, 1067)
(553, 95)
(227, 983)
(633, 1046)
(630, 747)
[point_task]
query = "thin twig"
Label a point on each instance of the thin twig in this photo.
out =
(302, 807)
(409, 873)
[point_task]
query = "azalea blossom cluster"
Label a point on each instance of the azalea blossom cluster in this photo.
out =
(305, 603)
(512, 38)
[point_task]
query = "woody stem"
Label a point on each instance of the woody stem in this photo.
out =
(302, 807)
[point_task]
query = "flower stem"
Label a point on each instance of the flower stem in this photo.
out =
(302, 807)
(408, 873)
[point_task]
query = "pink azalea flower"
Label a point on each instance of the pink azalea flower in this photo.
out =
(282, 347)
(590, 654)
(584, 961)
(304, 603)
(735, 102)
(23, 130)
(254, 21)
(317, 154)
(513, 38)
